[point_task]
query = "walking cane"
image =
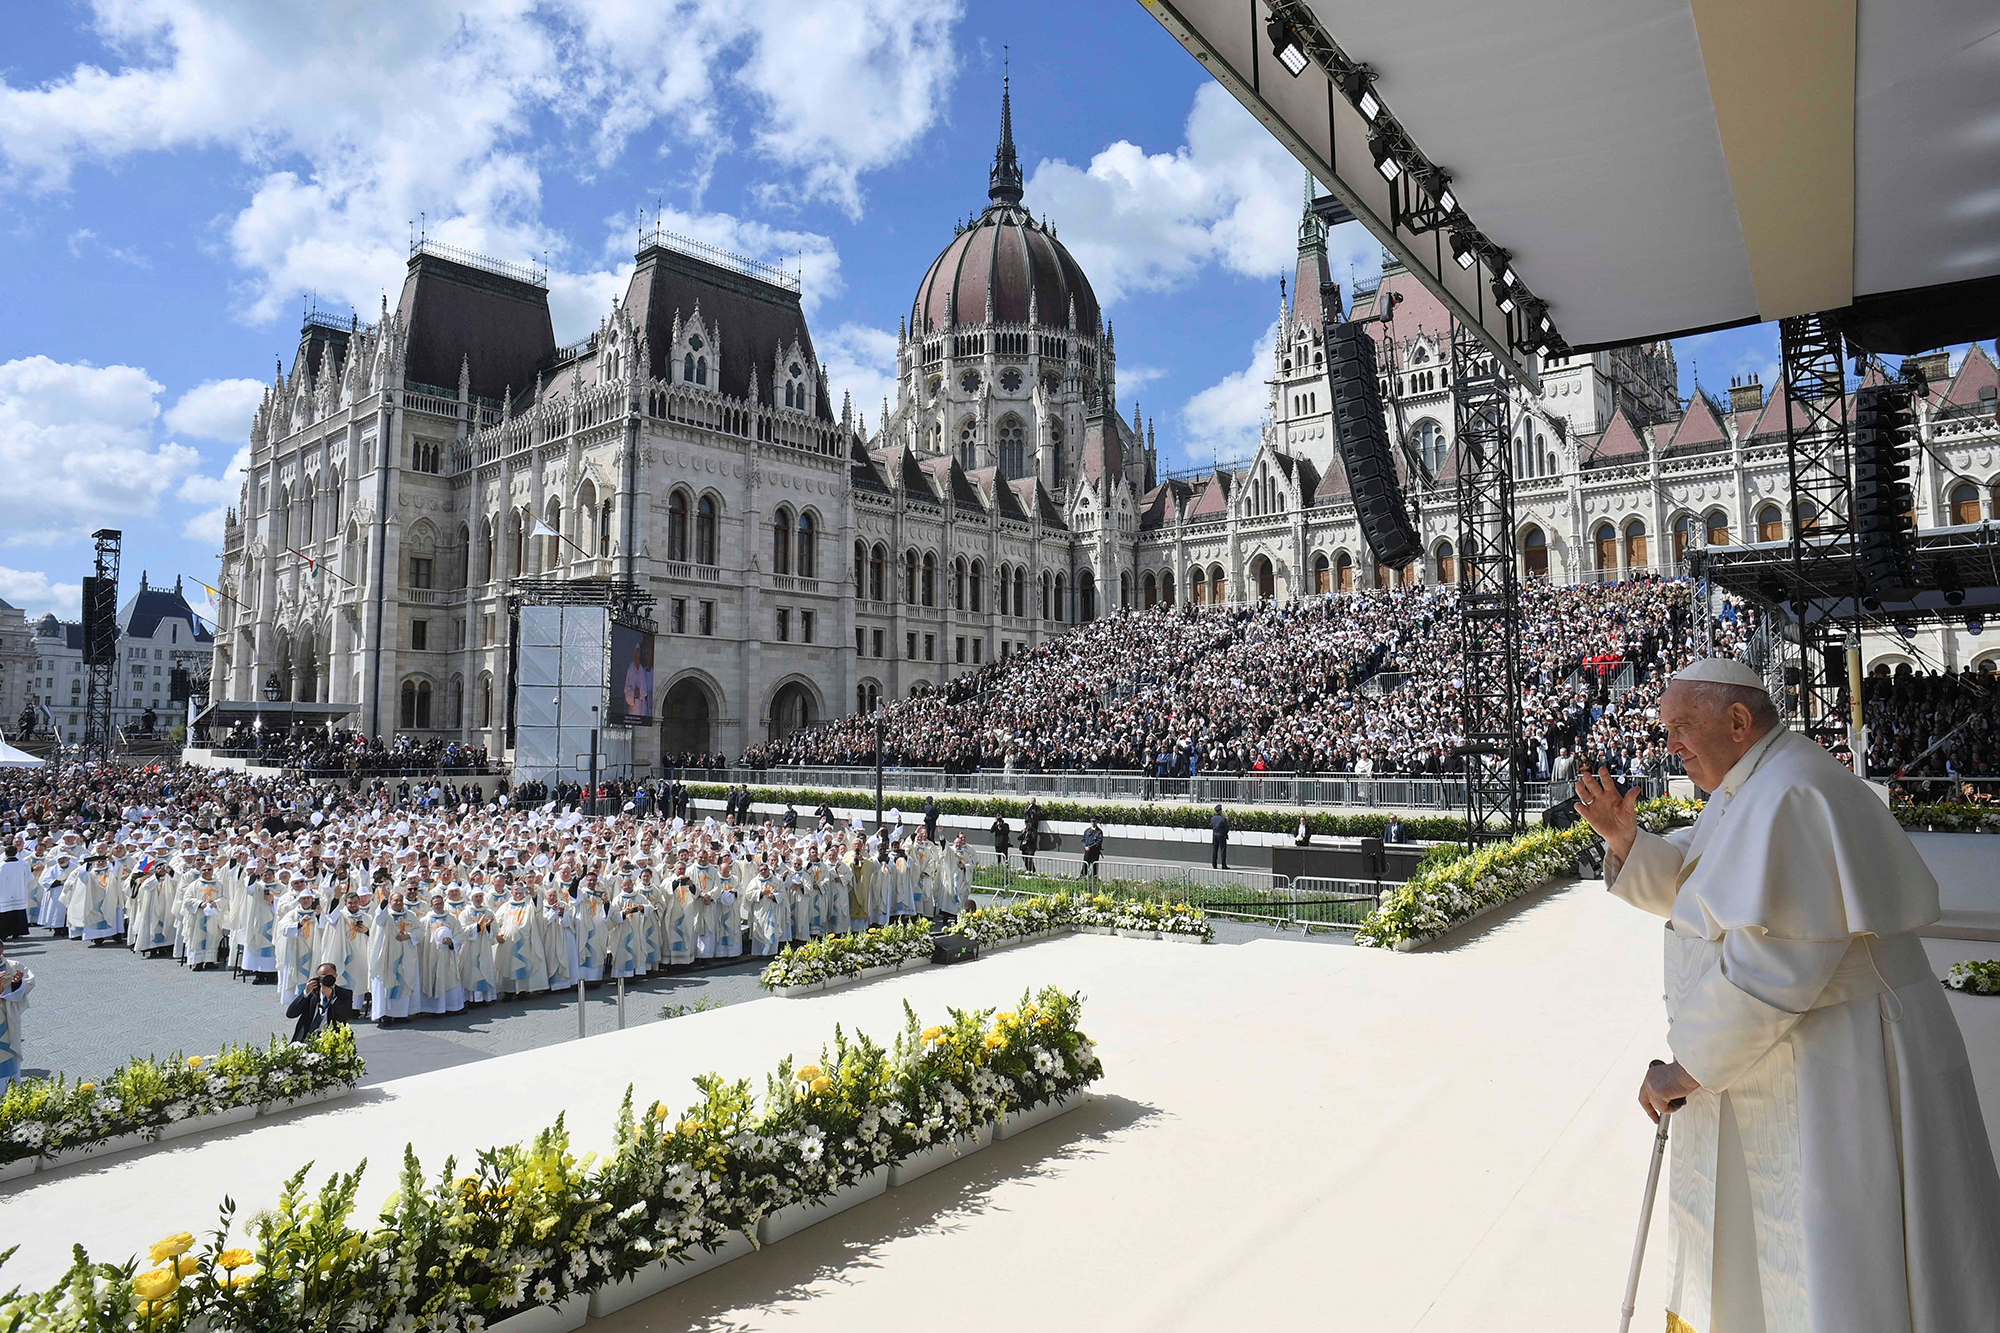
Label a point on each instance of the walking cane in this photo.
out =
(1646, 1211)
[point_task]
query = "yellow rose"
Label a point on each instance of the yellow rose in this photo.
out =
(822, 1084)
(994, 1041)
(194, 1062)
(689, 1126)
(86, 1087)
(167, 1247)
(155, 1283)
(1004, 1017)
(808, 1074)
(236, 1258)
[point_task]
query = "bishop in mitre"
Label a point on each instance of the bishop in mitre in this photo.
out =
(1831, 1170)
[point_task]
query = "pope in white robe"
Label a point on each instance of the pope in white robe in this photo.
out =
(1831, 1169)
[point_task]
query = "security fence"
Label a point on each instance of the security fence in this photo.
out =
(1258, 896)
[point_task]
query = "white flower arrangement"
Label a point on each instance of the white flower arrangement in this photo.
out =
(1975, 978)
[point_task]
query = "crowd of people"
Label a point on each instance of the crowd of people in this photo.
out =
(1363, 683)
(1935, 734)
(417, 903)
(324, 750)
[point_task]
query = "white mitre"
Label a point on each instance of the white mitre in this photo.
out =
(1720, 671)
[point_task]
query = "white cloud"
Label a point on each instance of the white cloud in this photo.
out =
(217, 410)
(83, 241)
(217, 493)
(77, 448)
(1227, 417)
(1138, 221)
(31, 590)
(861, 362)
(356, 117)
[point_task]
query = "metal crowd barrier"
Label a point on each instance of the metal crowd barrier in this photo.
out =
(1258, 896)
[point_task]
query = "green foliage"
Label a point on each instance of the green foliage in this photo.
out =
(1975, 977)
(1450, 889)
(145, 1095)
(1950, 817)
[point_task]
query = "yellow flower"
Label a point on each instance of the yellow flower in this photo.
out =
(194, 1062)
(690, 1126)
(243, 1277)
(932, 1034)
(994, 1041)
(822, 1084)
(86, 1087)
(167, 1247)
(1004, 1017)
(808, 1074)
(236, 1258)
(660, 1111)
(156, 1283)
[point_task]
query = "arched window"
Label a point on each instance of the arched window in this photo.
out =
(1807, 510)
(781, 541)
(968, 444)
(1635, 544)
(518, 529)
(860, 570)
(1606, 539)
(978, 577)
(1013, 447)
(701, 370)
(416, 704)
(1322, 573)
(420, 563)
(1535, 552)
(1429, 436)
(930, 578)
(1045, 596)
(1217, 590)
(1124, 590)
(1965, 503)
(677, 527)
(1718, 528)
(1770, 524)
(1086, 597)
(1000, 591)
(604, 528)
(807, 551)
(878, 570)
(1683, 536)
(1150, 592)
(687, 369)
(1061, 603)
(454, 703)
(486, 549)
(1166, 587)
(704, 531)
(1198, 587)
(1343, 572)
(1446, 560)
(910, 576)
(958, 584)
(1053, 433)
(1020, 590)
(485, 705)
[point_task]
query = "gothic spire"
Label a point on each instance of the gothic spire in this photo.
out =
(1004, 184)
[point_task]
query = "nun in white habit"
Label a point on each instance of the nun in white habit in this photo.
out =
(1831, 1169)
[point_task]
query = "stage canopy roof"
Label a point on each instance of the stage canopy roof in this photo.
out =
(1658, 167)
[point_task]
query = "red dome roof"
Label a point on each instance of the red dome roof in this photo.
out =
(1004, 256)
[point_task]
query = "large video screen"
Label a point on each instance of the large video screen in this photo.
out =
(631, 676)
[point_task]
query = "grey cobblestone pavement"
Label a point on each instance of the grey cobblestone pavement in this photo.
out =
(92, 1009)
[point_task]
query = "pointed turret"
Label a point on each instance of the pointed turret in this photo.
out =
(1004, 184)
(1308, 310)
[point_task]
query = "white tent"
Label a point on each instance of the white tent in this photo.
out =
(13, 758)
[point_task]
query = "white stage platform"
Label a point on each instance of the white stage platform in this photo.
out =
(1289, 1135)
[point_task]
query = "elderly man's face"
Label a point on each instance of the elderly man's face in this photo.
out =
(1708, 738)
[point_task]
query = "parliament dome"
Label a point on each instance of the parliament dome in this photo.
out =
(1004, 261)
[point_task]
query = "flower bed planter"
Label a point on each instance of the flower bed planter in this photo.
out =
(561, 1317)
(83, 1153)
(1132, 934)
(17, 1168)
(883, 970)
(195, 1124)
(304, 1099)
(937, 1155)
(1097, 930)
(669, 1272)
(1020, 1122)
(794, 1218)
(801, 991)
(1175, 937)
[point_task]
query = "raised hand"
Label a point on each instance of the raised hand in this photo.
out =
(1614, 817)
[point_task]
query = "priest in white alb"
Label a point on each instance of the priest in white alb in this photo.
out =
(1831, 1169)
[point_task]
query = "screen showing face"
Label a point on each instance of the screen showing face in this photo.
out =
(631, 676)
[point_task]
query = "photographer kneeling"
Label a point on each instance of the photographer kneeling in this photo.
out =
(323, 1003)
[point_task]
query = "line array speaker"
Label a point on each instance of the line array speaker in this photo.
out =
(1364, 447)
(100, 621)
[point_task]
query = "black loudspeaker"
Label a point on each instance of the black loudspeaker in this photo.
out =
(100, 621)
(953, 948)
(1364, 447)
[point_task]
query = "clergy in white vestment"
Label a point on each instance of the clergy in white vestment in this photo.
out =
(152, 895)
(298, 946)
(958, 876)
(523, 939)
(394, 961)
(56, 873)
(343, 941)
(478, 950)
(559, 929)
(439, 990)
(625, 930)
(16, 894)
(96, 902)
(1831, 1168)
(259, 925)
(592, 918)
(15, 983)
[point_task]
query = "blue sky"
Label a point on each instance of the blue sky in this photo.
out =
(176, 176)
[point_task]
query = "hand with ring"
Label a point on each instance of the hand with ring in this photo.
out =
(1614, 816)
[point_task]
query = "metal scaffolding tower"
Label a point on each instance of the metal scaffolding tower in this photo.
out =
(100, 651)
(1489, 604)
(1818, 460)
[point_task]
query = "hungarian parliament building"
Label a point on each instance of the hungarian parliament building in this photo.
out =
(406, 474)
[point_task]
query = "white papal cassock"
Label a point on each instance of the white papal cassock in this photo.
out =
(1833, 1174)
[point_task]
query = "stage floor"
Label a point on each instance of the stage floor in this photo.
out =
(1286, 1135)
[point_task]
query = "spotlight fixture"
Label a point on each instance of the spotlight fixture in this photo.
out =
(1949, 583)
(1437, 182)
(1286, 47)
(1507, 277)
(1385, 159)
(1464, 248)
(1503, 296)
(1357, 84)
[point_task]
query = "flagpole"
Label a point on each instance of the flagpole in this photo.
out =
(539, 528)
(317, 567)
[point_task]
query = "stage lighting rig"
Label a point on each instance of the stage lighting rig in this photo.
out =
(1464, 246)
(1285, 45)
(1382, 148)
